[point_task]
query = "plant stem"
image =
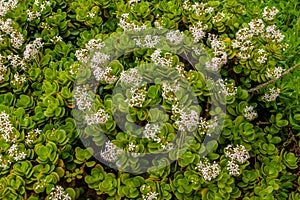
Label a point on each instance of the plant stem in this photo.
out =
(273, 80)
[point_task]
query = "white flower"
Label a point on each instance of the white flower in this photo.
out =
(100, 117)
(7, 5)
(82, 98)
(175, 37)
(196, 50)
(150, 41)
(272, 94)
(151, 132)
(208, 170)
(95, 44)
(257, 26)
(250, 113)
(150, 196)
(188, 120)
(133, 1)
(169, 91)
(261, 51)
(110, 152)
(37, 131)
(32, 49)
(6, 128)
(206, 127)
(81, 55)
(228, 89)
(209, 10)
(270, 13)
(131, 77)
(43, 7)
(17, 39)
(233, 168)
(244, 34)
(104, 74)
(127, 26)
(198, 31)
(56, 39)
(238, 153)
(157, 59)
(274, 73)
(273, 33)
(131, 147)
(219, 17)
(91, 15)
(137, 98)
(158, 25)
(219, 51)
(58, 193)
(262, 59)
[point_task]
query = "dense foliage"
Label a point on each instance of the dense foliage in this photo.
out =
(63, 137)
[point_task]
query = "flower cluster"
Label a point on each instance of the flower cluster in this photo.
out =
(169, 91)
(32, 50)
(131, 77)
(38, 8)
(220, 56)
(198, 31)
(273, 34)
(14, 153)
(133, 1)
(104, 75)
(256, 28)
(29, 138)
(137, 97)
(274, 73)
(198, 8)
(262, 58)
(175, 37)
(151, 132)
(82, 98)
(6, 128)
(18, 79)
(270, 13)
(158, 25)
(207, 126)
(150, 196)
(149, 41)
(227, 88)
(272, 94)
(131, 147)
(5, 6)
(188, 120)
(82, 55)
(157, 59)
(110, 152)
(129, 26)
(208, 170)
(16, 61)
(237, 155)
(59, 193)
(7, 27)
(99, 118)
(250, 113)
(243, 43)
(94, 44)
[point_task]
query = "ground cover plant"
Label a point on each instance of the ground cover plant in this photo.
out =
(112, 99)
